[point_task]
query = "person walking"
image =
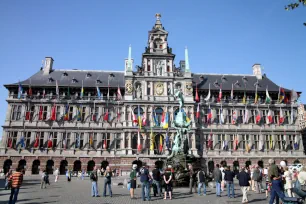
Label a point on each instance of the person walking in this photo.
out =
(288, 185)
(133, 179)
(17, 179)
(43, 180)
(192, 182)
(145, 180)
(8, 181)
(108, 181)
(244, 182)
(168, 182)
(257, 179)
(229, 178)
(201, 182)
(56, 173)
(68, 175)
(217, 175)
(94, 180)
(156, 181)
(274, 176)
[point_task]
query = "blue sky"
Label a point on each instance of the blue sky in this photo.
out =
(222, 36)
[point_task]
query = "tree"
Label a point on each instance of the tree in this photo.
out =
(296, 5)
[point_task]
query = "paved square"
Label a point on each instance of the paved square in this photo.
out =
(78, 192)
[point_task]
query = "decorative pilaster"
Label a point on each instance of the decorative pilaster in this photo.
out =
(130, 144)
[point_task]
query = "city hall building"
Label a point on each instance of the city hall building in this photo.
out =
(75, 119)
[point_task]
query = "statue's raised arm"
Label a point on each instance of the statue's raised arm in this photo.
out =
(179, 95)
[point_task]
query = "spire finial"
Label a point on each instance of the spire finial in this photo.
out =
(187, 68)
(158, 24)
(129, 66)
(158, 16)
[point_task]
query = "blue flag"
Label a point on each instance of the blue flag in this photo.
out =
(20, 90)
(21, 142)
(77, 141)
(167, 141)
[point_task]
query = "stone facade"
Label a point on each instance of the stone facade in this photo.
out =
(98, 127)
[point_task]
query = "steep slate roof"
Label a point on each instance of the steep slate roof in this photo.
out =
(237, 80)
(39, 79)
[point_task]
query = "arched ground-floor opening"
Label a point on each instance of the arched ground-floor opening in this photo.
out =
(104, 164)
(223, 163)
(63, 167)
(159, 164)
(77, 165)
(211, 166)
(35, 166)
(260, 164)
(248, 164)
(7, 165)
(49, 166)
(22, 164)
(236, 167)
(90, 165)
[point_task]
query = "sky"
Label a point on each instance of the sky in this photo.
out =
(225, 37)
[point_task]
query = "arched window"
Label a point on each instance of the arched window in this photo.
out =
(35, 167)
(90, 165)
(248, 163)
(77, 165)
(104, 164)
(158, 114)
(211, 166)
(7, 165)
(223, 163)
(22, 164)
(236, 167)
(260, 163)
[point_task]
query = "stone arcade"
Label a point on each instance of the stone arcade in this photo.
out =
(64, 127)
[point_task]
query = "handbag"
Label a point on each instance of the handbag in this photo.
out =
(129, 186)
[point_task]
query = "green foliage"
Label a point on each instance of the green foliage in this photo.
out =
(296, 5)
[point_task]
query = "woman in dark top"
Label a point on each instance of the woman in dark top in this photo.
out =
(168, 182)
(133, 177)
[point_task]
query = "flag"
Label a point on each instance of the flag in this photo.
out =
(221, 116)
(268, 98)
(119, 96)
(135, 121)
(82, 90)
(53, 113)
(281, 117)
(160, 144)
(198, 111)
(167, 141)
(210, 142)
(296, 142)
(68, 92)
(258, 117)
(144, 119)
(40, 114)
(10, 142)
(220, 94)
(30, 92)
(105, 143)
(166, 123)
(271, 142)
(139, 147)
(44, 93)
(36, 143)
(261, 144)
(65, 142)
(208, 95)
(20, 90)
(105, 117)
(256, 95)
(155, 119)
(162, 123)
(209, 115)
(21, 142)
(90, 140)
(281, 94)
(79, 115)
(151, 140)
(28, 114)
(270, 117)
(98, 93)
(77, 141)
(234, 117)
(139, 117)
(236, 142)
(56, 89)
(232, 92)
(50, 144)
(244, 97)
(197, 98)
(246, 116)
(66, 116)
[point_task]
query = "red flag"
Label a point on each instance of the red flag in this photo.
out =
(28, 114)
(198, 111)
(94, 118)
(138, 142)
(209, 144)
(30, 92)
(105, 144)
(53, 113)
(106, 116)
(50, 143)
(258, 117)
(197, 99)
(281, 117)
(36, 142)
(40, 114)
(10, 142)
(119, 96)
(220, 94)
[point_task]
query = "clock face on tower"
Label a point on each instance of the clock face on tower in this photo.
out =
(159, 88)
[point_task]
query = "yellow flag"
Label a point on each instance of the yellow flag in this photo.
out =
(151, 140)
(247, 147)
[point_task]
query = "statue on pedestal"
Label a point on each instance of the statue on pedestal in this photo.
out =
(138, 92)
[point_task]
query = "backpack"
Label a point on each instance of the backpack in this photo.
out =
(144, 175)
(92, 176)
(45, 178)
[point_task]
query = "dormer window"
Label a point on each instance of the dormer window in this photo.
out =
(99, 81)
(237, 84)
(88, 75)
(65, 74)
(216, 84)
(50, 79)
(201, 78)
(74, 80)
(257, 84)
(244, 79)
(223, 79)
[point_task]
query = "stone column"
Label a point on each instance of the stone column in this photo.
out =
(86, 141)
(215, 139)
(122, 145)
(124, 116)
(99, 140)
(130, 144)
(193, 145)
(165, 89)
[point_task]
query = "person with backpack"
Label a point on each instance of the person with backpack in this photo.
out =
(229, 178)
(133, 179)
(108, 181)
(201, 182)
(257, 179)
(145, 180)
(94, 181)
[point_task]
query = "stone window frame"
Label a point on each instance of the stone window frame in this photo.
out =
(30, 108)
(16, 112)
(13, 136)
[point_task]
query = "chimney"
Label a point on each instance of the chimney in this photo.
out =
(257, 71)
(48, 65)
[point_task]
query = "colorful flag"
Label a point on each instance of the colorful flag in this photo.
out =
(281, 94)
(139, 146)
(167, 141)
(162, 123)
(56, 89)
(36, 143)
(66, 116)
(135, 121)
(166, 123)
(198, 111)
(90, 140)
(144, 119)
(82, 90)
(20, 90)
(197, 98)
(244, 97)
(270, 117)
(139, 118)
(209, 116)
(21, 142)
(98, 93)
(268, 98)
(53, 113)
(246, 116)
(151, 140)
(234, 117)
(208, 95)
(281, 117)
(258, 117)
(271, 142)
(50, 143)
(119, 96)
(105, 117)
(210, 142)
(155, 119)
(232, 92)
(160, 144)
(220, 94)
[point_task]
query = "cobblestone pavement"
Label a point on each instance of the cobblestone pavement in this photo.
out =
(78, 192)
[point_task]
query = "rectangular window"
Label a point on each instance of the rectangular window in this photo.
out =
(27, 139)
(41, 139)
(12, 139)
(54, 140)
(256, 142)
(45, 112)
(217, 119)
(58, 112)
(252, 116)
(16, 112)
(149, 68)
(68, 140)
(108, 139)
(81, 140)
(148, 89)
(70, 112)
(94, 112)
(83, 114)
(29, 112)
(264, 114)
(229, 116)
(95, 139)
(118, 140)
(240, 116)
(276, 115)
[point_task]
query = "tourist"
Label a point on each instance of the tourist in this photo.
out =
(8, 181)
(16, 179)
(244, 182)
(192, 182)
(145, 180)
(43, 179)
(300, 184)
(68, 175)
(108, 181)
(94, 180)
(217, 175)
(99, 171)
(56, 173)
(83, 174)
(168, 182)
(229, 178)
(267, 189)
(133, 179)
(156, 181)
(222, 182)
(257, 179)
(201, 182)
(273, 174)
(288, 182)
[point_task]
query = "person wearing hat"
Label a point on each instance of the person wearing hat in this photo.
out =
(133, 177)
